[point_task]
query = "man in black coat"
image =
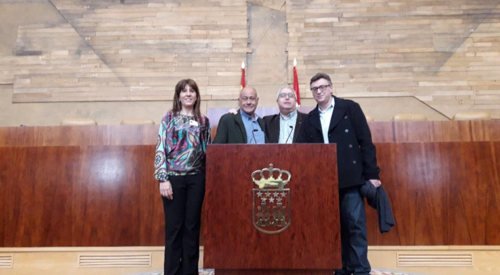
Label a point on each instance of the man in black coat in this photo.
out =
(245, 126)
(285, 126)
(340, 121)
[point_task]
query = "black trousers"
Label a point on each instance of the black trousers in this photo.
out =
(182, 224)
(353, 233)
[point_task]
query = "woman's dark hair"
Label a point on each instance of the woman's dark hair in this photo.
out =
(181, 85)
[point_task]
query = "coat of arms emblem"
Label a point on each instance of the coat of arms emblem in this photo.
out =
(271, 202)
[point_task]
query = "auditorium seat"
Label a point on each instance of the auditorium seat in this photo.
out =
(136, 121)
(409, 117)
(472, 116)
(369, 118)
(78, 122)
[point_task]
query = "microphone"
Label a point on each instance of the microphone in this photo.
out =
(254, 139)
(291, 130)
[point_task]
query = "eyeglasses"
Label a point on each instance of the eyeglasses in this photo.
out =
(320, 88)
(284, 95)
(251, 99)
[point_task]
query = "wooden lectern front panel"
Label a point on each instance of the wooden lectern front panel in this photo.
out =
(275, 272)
(312, 240)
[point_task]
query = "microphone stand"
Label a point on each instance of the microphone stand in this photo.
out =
(291, 130)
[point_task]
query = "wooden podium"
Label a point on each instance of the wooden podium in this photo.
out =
(234, 245)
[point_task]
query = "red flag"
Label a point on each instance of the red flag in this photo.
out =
(242, 84)
(296, 82)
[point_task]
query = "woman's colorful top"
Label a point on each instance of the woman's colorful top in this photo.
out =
(181, 146)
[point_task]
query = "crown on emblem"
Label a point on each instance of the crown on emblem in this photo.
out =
(269, 180)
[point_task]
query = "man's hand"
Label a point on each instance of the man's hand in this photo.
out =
(376, 183)
(232, 111)
(166, 190)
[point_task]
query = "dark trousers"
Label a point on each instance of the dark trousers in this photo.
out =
(353, 233)
(182, 224)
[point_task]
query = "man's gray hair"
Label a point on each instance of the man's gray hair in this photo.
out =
(284, 87)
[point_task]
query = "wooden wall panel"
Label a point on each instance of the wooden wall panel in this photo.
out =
(79, 196)
(493, 200)
(382, 132)
(435, 131)
(441, 193)
(79, 135)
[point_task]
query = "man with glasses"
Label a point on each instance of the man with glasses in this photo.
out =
(245, 126)
(341, 121)
(284, 127)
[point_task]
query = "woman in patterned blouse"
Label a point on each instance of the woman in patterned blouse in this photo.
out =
(180, 169)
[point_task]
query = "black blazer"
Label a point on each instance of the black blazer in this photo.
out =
(377, 198)
(356, 154)
(273, 127)
(231, 129)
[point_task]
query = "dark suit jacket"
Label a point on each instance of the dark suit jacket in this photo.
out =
(231, 129)
(273, 127)
(377, 198)
(356, 154)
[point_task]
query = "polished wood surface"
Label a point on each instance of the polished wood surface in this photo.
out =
(274, 272)
(79, 196)
(312, 241)
(413, 131)
(442, 193)
(444, 131)
(79, 135)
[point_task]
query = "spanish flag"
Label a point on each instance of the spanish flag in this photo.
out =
(243, 84)
(296, 82)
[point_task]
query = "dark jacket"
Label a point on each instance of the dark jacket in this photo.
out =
(356, 154)
(273, 127)
(231, 129)
(377, 198)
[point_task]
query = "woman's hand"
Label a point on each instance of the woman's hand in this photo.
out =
(166, 190)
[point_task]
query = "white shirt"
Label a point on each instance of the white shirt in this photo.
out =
(287, 132)
(325, 117)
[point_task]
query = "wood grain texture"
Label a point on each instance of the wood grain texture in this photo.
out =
(79, 135)
(435, 131)
(312, 241)
(416, 131)
(441, 193)
(102, 193)
(79, 196)
(430, 131)
(274, 272)
(493, 200)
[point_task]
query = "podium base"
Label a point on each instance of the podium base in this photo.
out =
(272, 272)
